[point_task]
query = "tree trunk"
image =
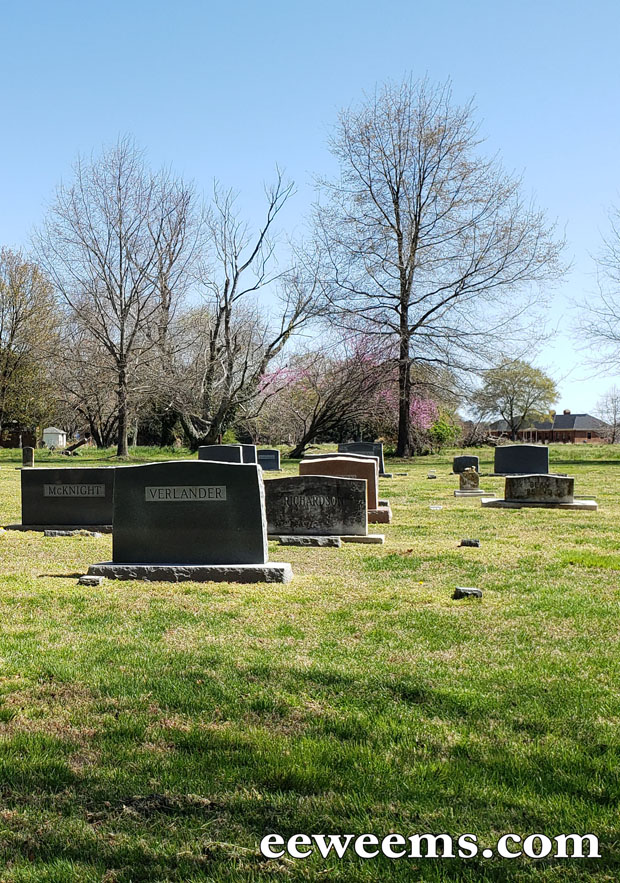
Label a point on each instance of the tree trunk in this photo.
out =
(122, 447)
(403, 448)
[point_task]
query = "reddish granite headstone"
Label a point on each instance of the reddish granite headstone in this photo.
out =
(347, 467)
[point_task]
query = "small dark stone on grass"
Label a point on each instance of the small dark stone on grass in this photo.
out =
(466, 592)
(474, 543)
(431, 475)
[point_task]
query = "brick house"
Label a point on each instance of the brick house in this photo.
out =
(566, 427)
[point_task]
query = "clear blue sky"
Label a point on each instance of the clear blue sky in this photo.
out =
(229, 91)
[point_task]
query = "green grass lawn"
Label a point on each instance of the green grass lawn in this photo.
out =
(155, 732)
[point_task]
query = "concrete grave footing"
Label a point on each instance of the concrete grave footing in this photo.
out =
(588, 505)
(477, 493)
(382, 515)
(369, 539)
(333, 542)
(273, 572)
(94, 528)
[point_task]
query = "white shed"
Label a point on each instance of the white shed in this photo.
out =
(54, 438)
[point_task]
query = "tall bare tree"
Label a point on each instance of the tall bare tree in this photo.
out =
(27, 330)
(608, 409)
(233, 338)
(118, 243)
(425, 241)
(600, 314)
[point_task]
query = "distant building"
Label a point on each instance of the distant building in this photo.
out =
(566, 427)
(54, 438)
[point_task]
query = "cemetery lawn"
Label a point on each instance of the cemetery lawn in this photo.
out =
(155, 732)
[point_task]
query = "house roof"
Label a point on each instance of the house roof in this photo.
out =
(54, 429)
(561, 422)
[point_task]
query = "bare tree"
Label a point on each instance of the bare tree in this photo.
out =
(27, 329)
(600, 315)
(116, 245)
(608, 409)
(234, 340)
(424, 240)
(325, 390)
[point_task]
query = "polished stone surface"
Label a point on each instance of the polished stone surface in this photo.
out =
(314, 505)
(248, 453)
(269, 459)
(521, 459)
(347, 467)
(465, 461)
(578, 503)
(189, 512)
(74, 497)
(221, 453)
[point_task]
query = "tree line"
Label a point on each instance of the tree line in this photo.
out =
(144, 305)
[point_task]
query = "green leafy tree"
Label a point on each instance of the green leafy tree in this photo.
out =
(516, 391)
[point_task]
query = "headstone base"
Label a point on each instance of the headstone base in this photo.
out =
(310, 541)
(370, 539)
(273, 572)
(589, 505)
(386, 475)
(93, 528)
(477, 493)
(382, 515)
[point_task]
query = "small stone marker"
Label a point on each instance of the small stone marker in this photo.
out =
(435, 507)
(191, 520)
(521, 459)
(90, 580)
(466, 592)
(465, 461)
(469, 484)
(67, 499)
(27, 457)
(269, 459)
(316, 505)
(473, 543)
(221, 453)
(431, 475)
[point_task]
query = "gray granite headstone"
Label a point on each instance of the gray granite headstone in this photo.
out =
(67, 496)
(221, 453)
(375, 449)
(269, 459)
(189, 512)
(539, 488)
(315, 505)
(521, 459)
(469, 480)
(466, 461)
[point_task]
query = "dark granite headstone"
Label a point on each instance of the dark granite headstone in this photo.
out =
(248, 453)
(27, 456)
(375, 449)
(221, 453)
(460, 464)
(521, 459)
(67, 496)
(315, 505)
(269, 459)
(189, 512)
